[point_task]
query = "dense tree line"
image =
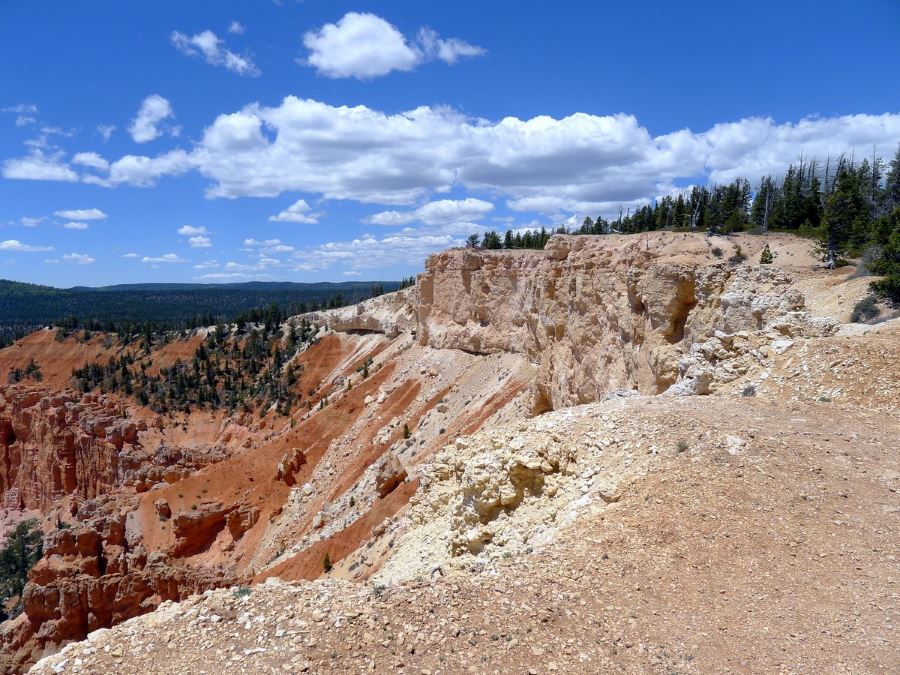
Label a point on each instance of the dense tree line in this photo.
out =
(247, 366)
(23, 548)
(852, 208)
(130, 309)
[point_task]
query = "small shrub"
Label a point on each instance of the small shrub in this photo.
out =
(766, 257)
(716, 251)
(865, 309)
(738, 256)
(749, 390)
(681, 446)
(406, 433)
(327, 565)
(242, 591)
(378, 590)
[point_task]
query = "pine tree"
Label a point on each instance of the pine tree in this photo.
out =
(892, 184)
(888, 263)
(766, 257)
(844, 209)
(491, 240)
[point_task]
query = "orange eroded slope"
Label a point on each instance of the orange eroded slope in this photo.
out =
(308, 563)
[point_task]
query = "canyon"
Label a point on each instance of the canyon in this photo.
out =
(544, 448)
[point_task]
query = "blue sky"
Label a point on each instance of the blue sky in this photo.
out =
(232, 141)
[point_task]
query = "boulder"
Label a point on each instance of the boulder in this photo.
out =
(389, 473)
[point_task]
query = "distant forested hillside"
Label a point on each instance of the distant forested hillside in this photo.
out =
(26, 307)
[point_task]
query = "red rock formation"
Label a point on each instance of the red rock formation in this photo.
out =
(196, 529)
(53, 445)
(92, 576)
(241, 519)
(290, 464)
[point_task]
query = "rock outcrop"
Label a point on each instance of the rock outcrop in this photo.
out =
(390, 314)
(604, 313)
(92, 576)
(389, 473)
(290, 464)
(56, 444)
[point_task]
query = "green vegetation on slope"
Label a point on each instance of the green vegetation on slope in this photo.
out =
(243, 366)
(23, 548)
(130, 308)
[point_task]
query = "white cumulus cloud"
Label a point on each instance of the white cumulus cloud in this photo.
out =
(75, 225)
(298, 212)
(211, 47)
(200, 241)
(191, 231)
(38, 165)
(365, 46)
(145, 126)
(440, 212)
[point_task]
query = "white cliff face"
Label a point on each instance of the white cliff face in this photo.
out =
(598, 314)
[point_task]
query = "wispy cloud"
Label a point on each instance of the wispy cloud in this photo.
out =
(81, 214)
(212, 48)
(18, 247)
(165, 258)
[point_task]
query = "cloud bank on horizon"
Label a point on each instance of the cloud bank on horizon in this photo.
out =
(418, 180)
